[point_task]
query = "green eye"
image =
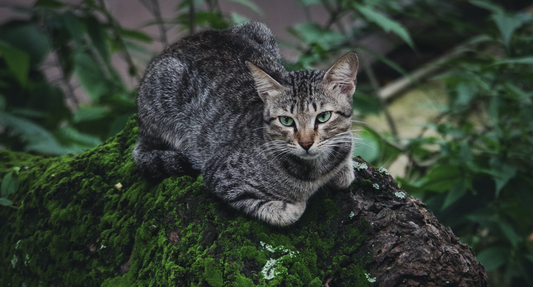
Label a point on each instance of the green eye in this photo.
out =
(323, 117)
(286, 121)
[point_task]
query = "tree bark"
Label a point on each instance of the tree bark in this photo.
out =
(91, 220)
(409, 246)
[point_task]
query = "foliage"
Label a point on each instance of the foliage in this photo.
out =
(34, 110)
(475, 175)
(479, 182)
(10, 185)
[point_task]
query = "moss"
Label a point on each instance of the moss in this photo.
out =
(75, 227)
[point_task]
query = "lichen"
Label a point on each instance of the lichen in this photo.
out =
(76, 227)
(400, 194)
(383, 171)
(360, 165)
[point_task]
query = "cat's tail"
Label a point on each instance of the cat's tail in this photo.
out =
(158, 164)
(259, 33)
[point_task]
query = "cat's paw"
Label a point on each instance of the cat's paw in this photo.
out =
(280, 213)
(344, 178)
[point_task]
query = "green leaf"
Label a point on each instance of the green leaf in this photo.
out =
(118, 125)
(74, 27)
(458, 190)
(238, 19)
(510, 233)
(522, 96)
(522, 189)
(28, 38)
(465, 153)
(248, 4)
(17, 61)
(76, 140)
(366, 104)
(509, 23)
(90, 75)
(37, 138)
(6, 202)
(137, 35)
(3, 103)
(494, 257)
(466, 92)
(390, 63)
(494, 107)
(28, 130)
(49, 100)
(503, 172)
(309, 2)
(386, 151)
(312, 33)
(28, 113)
(386, 23)
(10, 183)
(487, 5)
(86, 114)
(524, 60)
(98, 37)
(49, 4)
(441, 178)
(529, 257)
(367, 147)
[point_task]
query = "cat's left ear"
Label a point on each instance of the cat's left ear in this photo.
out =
(265, 85)
(341, 77)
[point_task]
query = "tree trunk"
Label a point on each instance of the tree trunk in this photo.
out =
(91, 220)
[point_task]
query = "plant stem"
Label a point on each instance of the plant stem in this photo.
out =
(132, 69)
(375, 86)
(155, 9)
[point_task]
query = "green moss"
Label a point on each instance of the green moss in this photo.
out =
(212, 274)
(77, 228)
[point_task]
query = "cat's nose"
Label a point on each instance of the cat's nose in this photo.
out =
(306, 145)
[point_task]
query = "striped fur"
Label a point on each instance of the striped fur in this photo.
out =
(212, 102)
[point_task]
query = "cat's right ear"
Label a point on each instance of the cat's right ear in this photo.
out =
(265, 85)
(341, 78)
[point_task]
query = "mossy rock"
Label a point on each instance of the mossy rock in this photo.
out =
(91, 220)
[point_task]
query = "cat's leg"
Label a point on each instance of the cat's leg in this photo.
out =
(344, 177)
(274, 212)
(155, 162)
(245, 185)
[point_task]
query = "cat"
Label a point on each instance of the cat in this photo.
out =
(264, 139)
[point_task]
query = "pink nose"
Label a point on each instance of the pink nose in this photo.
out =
(306, 145)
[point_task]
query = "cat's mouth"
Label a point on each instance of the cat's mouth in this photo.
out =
(309, 155)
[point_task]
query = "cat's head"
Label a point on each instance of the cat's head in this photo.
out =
(312, 113)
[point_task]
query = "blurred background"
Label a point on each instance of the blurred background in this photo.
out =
(443, 102)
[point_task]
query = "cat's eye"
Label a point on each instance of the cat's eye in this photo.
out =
(323, 117)
(286, 121)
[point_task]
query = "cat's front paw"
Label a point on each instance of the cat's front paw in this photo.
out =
(280, 213)
(344, 178)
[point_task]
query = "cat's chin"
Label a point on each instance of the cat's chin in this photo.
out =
(309, 156)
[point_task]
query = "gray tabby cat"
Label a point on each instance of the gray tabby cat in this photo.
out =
(263, 138)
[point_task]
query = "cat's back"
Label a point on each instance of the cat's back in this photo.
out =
(207, 67)
(223, 53)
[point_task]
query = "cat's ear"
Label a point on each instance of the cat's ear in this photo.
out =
(265, 85)
(341, 77)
